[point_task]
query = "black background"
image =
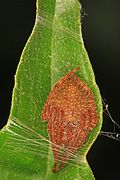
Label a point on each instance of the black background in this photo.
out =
(101, 32)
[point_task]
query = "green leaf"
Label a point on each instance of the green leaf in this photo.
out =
(54, 47)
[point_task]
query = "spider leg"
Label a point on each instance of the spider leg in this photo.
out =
(56, 133)
(45, 112)
(58, 164)
(93, 117)
(89, 121)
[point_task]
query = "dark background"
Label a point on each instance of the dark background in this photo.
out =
(101, 32)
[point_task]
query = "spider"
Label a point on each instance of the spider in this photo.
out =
(71, 113)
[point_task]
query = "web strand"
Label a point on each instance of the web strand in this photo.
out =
(113, 135)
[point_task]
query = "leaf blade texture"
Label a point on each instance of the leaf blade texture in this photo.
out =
(54, 47)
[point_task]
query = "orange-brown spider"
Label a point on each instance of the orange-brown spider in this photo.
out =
(71, 113)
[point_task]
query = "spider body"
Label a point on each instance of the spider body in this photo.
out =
(71, 113)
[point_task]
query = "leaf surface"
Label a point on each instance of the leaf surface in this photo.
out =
(54, 48)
